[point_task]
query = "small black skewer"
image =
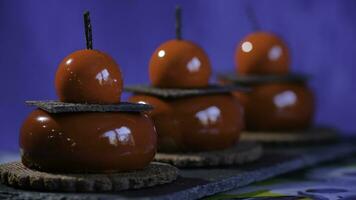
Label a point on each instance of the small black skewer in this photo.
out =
(88, 31)
(251, 15)
(178, 23)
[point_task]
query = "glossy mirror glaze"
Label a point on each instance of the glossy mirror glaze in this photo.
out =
(89, 76)
(201, 123)
(87, 142)
(179, 64)
(262, 53)
(277, 107)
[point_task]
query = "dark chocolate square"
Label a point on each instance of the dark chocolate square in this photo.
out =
(62, 107)
(262, 79)
(178, 93)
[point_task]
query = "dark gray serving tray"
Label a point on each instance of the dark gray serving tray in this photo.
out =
(198, 183)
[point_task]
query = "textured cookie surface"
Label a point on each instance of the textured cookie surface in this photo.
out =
(177, 93)
(242, 153)
(262, 79)
(15, 174)
(315, 135)
(61, 107)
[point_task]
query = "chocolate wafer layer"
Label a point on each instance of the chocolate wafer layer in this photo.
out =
(263, 79)
(178, 93)
(61, 107)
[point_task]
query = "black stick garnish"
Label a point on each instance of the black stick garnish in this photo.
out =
(251, 15)
(88, 32)
(178, 23)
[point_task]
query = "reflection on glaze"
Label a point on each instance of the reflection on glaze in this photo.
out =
(141, 102)
(285, 99)
(275, 53)
(69, 61)
(209, 115)
(42, 119)
(102, 76)
(161, 53)
(179, 64)
(194, 65)
(119, 136)
(89, 76)
(246, 47)
(80, 142)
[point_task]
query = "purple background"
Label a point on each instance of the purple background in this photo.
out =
(35, 35)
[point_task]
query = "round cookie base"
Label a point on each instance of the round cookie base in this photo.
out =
(242, 153)
(15, 174)
(315, 135)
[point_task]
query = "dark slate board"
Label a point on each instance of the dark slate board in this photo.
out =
(198, 183)
(314, 135)
(178, 93)
(61, 107)
(240, 154)
(262, 79)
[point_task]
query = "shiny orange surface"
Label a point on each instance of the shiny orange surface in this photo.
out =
(274, 107)
(179, 64)
(89, 76)
(262, 53)
(87, 142)
(199, 123)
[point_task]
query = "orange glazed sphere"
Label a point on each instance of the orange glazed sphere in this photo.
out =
(200, 123)
(89, 76)
(262, 53)
(87, 142)
(179, 64)
(278, 107)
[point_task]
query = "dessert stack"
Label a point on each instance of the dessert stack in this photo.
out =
(89, 140)
(198, 124)
(280, 107)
